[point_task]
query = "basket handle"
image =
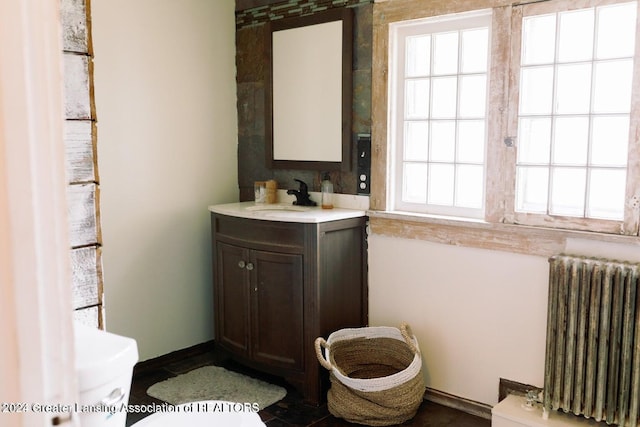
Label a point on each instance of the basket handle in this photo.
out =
(405, 330)
(320, 343)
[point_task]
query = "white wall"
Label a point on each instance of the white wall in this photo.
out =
(479, 315)
(165, 96)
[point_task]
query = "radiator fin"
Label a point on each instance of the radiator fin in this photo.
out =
(592, 363)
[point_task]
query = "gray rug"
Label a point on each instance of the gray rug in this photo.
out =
(215, 383)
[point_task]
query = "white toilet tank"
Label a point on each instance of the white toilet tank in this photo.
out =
(104, 369)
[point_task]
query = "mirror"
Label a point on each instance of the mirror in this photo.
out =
(309, 93)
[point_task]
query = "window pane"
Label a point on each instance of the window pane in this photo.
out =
(469, 185)
(445, 55)
(573, 114)
(416, 140)
(573, 92)
(471, 141)
(576, 35)
(616, 31)
(532, 187)
(418, 56)
(609, 141)
(606, 194)
(536, 90)
(441, 180)
(444, 97)
(416, 99)
(443, 141)
(415, 183)
(534, 140)
(612, 92)
(442, 144)
(538, 39)
(473, 96)
(571, 141)
(474, 50)
(568, 191)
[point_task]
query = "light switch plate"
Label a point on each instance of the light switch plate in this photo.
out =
(364, 163)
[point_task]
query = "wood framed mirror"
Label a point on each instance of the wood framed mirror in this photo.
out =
(308, 91)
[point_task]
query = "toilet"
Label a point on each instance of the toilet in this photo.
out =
(202, 414)
(104, 370)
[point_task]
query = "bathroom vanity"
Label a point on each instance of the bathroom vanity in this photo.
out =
(282, 276)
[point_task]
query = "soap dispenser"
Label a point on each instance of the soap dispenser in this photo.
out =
(327, 192)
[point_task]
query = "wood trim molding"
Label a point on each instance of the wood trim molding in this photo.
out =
(472, 407)
(484, 235)
(83, 186)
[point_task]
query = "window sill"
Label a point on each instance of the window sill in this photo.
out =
(481, 234)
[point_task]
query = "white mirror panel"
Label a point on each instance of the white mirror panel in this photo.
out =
(307, 93)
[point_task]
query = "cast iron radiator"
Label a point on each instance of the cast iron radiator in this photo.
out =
(592, 362)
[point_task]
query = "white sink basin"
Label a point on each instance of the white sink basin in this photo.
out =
(277, 207)
(285, 212)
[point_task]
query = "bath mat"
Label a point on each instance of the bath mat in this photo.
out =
(216, 383)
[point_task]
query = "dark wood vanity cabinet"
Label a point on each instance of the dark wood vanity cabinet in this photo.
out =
(258, 301)
(280, 285)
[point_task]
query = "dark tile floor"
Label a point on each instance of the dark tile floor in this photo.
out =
(290, 411)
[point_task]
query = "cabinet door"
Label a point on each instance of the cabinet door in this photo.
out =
(232, 298)
(277, 309)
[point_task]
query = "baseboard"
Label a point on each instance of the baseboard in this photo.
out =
(161, 361)
(459, 403)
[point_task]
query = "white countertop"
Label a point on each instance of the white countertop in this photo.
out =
(285, 212)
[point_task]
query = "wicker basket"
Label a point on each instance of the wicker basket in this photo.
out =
(375, 372)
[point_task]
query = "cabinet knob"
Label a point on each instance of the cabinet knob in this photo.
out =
(241, 264)
(249, 266)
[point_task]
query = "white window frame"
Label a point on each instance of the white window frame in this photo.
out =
(627, 226)
(399, 33)
(502, 115)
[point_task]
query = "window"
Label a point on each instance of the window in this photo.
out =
(573, 115)
(564, 152)
(440, 114)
